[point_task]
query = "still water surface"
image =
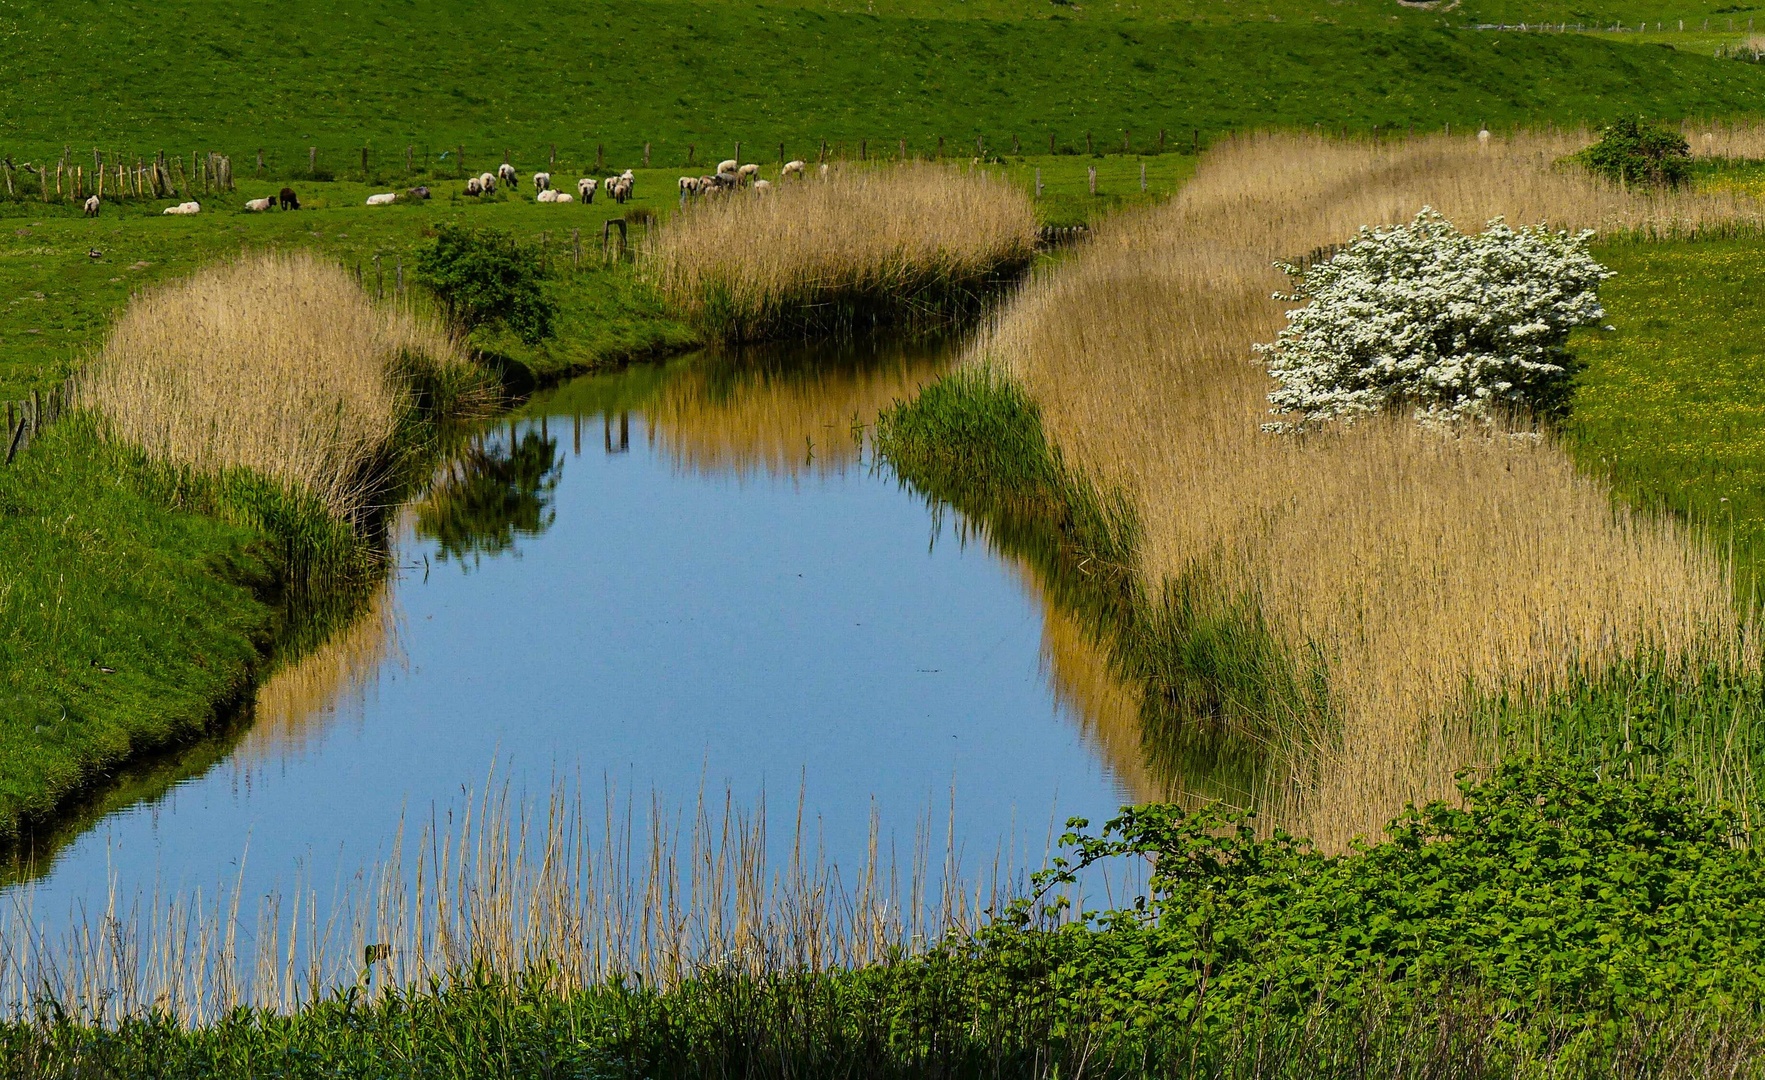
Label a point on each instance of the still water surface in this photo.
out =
(682, 578)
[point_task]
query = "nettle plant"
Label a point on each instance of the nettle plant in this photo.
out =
(1455, 326)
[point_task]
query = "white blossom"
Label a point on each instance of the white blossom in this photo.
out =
(1456, 326)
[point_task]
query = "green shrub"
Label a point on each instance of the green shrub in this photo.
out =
(1632, 152)
(1555, 888)
(482, 277)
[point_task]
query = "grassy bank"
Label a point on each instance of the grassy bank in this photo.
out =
(1668, 407)
(486, 75)
(215, 495)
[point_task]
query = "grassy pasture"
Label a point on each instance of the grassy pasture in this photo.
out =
(56, 300)
(1670, 405)
(496, 75)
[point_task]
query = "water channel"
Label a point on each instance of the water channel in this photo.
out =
(684, 577)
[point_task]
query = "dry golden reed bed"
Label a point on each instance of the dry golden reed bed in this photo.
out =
(1415, 568)
(581, 890)
(902, 243)
(276, 362)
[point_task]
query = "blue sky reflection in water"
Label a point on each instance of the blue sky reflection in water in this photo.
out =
(676, 579)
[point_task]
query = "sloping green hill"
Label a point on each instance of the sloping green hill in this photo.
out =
(508, 74)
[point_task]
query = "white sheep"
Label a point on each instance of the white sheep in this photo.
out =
(92, 206)
(793, 168)
(1483, 137)
(487, 182)
(184, 208)
(255, 205)
(761, 187)
(585, 188)
(546, 197)
(748, 172)
(607, 184)
(621, 189)
(823, 172)
(542, 181)
(563, 197)
(728, 165)
(689, 185)
(506, 173)
(385, 199)
(474, 186)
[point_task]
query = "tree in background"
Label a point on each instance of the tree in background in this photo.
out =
(481, 277)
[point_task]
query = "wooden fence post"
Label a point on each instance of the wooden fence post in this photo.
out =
(260, 163)
(646, 155)
(398, 275)
(980, 147)
(576, 249)
(312, 160)
(1198, 140)
(1051, 142)
(379, 279)
(600, 155)
(1015, 148)
(781, 153)
(1161, 140)
(738, 153)
(1093, 172)
(555, 156)
(1125, 149)
(940, 148)
(1142, 177)
(364, 161)
(690, 147)
(863, 155)
(1088, 142)
(902, 156)
(1038, 181)
(409, 153)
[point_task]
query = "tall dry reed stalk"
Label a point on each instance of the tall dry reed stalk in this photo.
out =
(275, 362)
(1408, 569)
(912, 244)
(574, 893)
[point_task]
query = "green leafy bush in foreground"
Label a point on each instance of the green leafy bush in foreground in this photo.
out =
(1556, 888)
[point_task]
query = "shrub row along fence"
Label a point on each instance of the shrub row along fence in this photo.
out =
(118, 175)
(26, 418)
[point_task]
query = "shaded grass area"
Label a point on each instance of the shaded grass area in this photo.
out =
(1669, 405)
(128, 618)
(492, 76)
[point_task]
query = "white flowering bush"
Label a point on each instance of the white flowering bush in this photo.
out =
(1423, 315)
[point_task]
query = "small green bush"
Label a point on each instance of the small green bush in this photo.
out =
(482, 277)
(1632, 152)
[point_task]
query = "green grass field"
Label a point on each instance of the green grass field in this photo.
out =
(1671, 406)
(502, 75)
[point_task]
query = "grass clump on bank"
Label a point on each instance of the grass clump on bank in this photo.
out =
(278, 380)
(905, 246)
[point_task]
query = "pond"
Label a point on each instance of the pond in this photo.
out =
(684, 580)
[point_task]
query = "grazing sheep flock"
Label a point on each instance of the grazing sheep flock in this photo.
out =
(730, 176)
